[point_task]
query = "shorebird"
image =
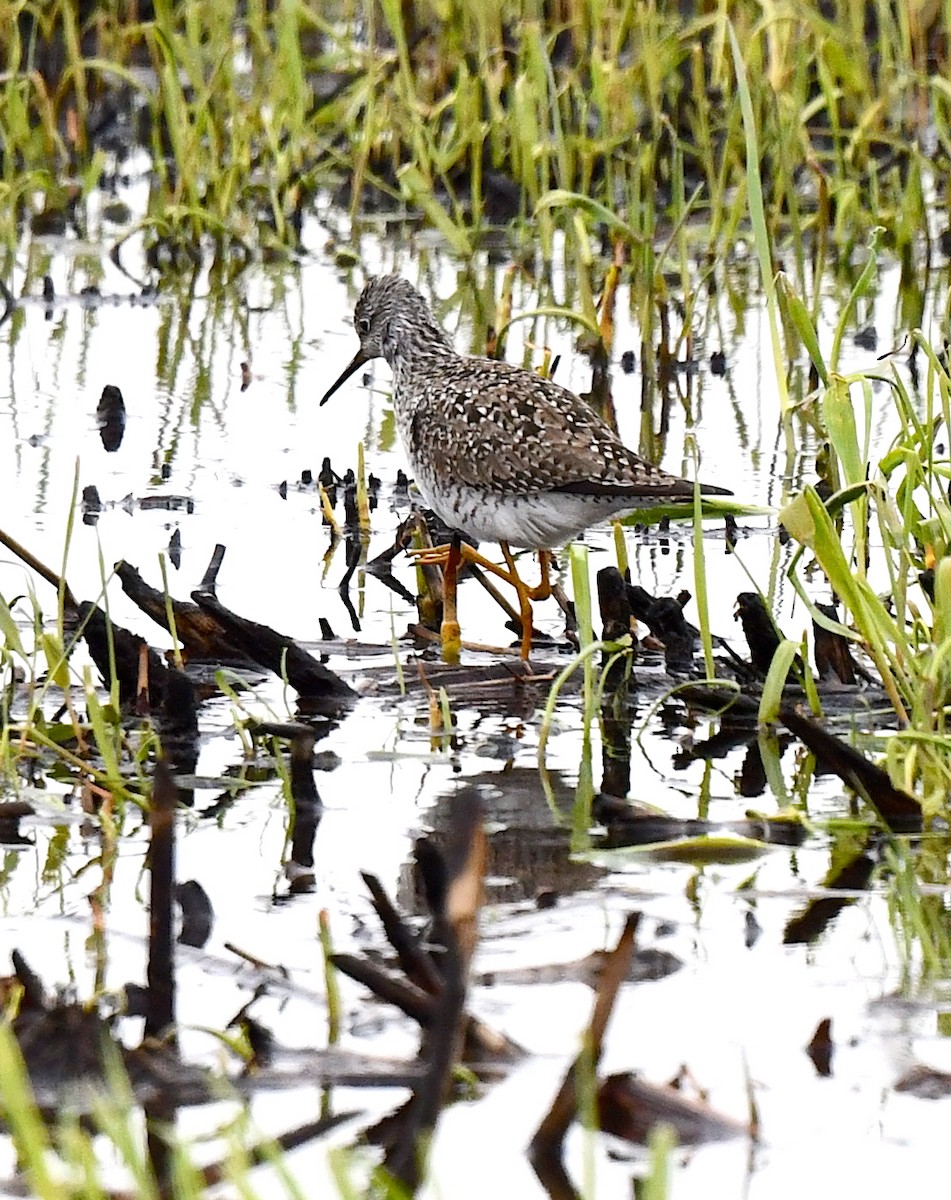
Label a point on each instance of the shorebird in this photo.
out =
(498, 452)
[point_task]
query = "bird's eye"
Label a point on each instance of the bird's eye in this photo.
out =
(363, 325)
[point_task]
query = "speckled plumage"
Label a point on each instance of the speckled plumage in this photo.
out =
(497, 451)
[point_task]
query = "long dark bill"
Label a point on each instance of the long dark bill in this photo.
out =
(355, 363)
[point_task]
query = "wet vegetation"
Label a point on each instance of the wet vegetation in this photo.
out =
(691, 180)
(550, 113)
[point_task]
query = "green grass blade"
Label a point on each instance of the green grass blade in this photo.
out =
(700, 583)
(754, 186)
(839, 417)
(772, 697)
(798, 314)
(862, 285)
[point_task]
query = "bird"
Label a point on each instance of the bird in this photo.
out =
(498, 452)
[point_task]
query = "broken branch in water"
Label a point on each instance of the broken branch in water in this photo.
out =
(203, 637)
(456, 900)
(51, 577)
(545, 1148)
(280, 654)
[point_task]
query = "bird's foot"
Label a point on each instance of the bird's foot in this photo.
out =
(438, 556)
(449, 556)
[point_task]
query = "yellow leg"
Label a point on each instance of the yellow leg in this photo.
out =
(450, 635)
(443, 555)
(437, 555)
(524, 599)
(543, 590)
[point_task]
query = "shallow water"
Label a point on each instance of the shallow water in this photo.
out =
(732, 1009)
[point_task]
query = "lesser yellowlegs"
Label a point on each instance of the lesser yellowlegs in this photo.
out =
(498, 452)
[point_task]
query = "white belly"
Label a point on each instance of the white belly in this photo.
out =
(539, 521)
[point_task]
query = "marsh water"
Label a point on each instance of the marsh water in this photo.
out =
(209, 457)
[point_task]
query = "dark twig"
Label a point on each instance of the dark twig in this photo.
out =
(546, 1144)
(209, 580)
(40, 568)
(279, 654)
(161, 966)
(413, 958)
(264, 1153)
(458, 898)
(160, 972)
(420, 1006)
(899, 811)
(203, 637)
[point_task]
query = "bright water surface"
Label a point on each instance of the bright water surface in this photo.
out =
(730, 1011)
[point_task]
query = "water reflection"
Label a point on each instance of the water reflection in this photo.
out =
(203, 451)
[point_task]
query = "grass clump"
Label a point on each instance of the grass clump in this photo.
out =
(882, 538)
(475, 115)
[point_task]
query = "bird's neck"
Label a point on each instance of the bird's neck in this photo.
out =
(412, 341)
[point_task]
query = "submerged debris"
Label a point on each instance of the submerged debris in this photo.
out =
(424, 963)
(899, 811)
(927, 1083)
(630, 1108)
(821, 1048)
(11, 813)
(110, 416)
(69, 1050)
(759, 629)
(315, 683)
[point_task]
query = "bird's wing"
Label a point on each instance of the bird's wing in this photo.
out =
(494, 425)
